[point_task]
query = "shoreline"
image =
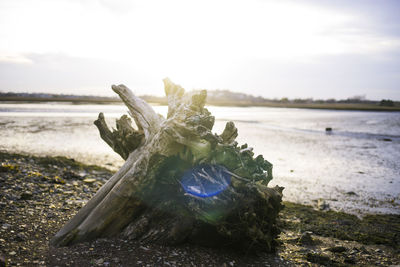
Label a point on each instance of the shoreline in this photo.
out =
(41, 193)
(323, 106)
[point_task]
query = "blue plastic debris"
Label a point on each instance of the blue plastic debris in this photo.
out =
(206, 180)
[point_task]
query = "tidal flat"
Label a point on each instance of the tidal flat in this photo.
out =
(39, 194)
(353, 168)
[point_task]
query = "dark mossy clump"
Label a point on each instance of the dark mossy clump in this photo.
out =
(319, 259)
(46, 161)
(372, 229)
(64, 162)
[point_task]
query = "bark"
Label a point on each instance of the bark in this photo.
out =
(146, 200)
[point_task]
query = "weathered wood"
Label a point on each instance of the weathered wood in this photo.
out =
(144, 200)
(145, 117)
(123, 140)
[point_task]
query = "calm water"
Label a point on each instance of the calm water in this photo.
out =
(362, 155)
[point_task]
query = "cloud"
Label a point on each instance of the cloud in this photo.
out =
(375, 16)
(14, 58)
(329, 76)
(60, 73)
(337, 76)
(118, 6)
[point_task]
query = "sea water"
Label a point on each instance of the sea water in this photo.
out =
(354, 168)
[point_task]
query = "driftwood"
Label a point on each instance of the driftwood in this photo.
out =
(146, 199)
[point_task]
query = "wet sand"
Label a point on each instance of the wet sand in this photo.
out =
(353, 168)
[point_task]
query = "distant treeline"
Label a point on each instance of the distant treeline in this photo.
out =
(226, 98)
(217, 96)
(43, 97)
(222, 98)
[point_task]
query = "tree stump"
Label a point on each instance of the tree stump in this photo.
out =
(160, 193)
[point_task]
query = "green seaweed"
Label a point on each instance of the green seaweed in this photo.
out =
(372, 229)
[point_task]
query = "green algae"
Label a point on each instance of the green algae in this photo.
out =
(372, 229)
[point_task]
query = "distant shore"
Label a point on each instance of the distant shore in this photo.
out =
(161, 101)
(333, 106)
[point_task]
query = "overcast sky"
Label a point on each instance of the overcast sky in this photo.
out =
(303, 48)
